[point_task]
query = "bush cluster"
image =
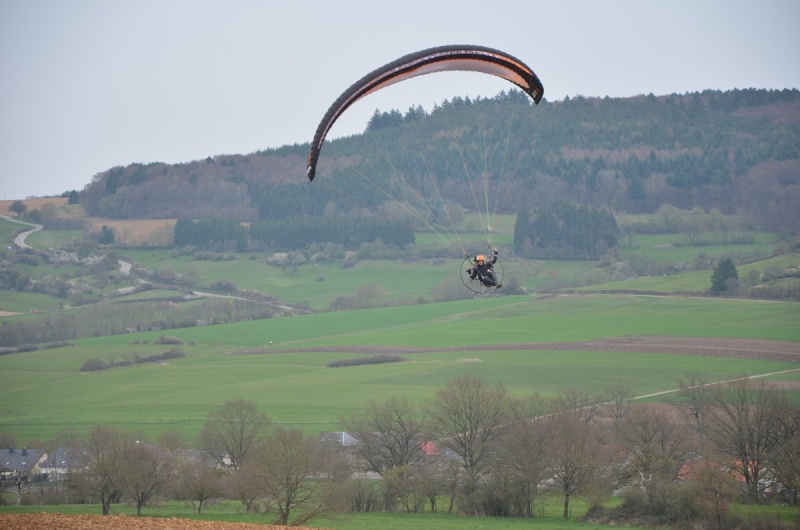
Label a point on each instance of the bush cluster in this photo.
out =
(373, 359)
(97, 365)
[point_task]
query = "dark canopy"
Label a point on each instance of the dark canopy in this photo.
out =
(440, 59)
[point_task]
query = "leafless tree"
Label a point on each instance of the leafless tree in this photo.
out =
(785, 454)
(149, 470)
(468, 415)
(371, 295)
(172, 441)
(656, 446)
(715, 488)
(232, 432)
(243, 484)
(290, 476)
(7, 440)
(197, 481)
(696, 401)
(618, 397)
(72, 458)
(578, 458)
(578, 401)
(104, 475)
(401, 485)
(432, 483)
(390, 434)
(524, 449)
(744, 426)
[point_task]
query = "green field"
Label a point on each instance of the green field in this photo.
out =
(7, 229)
(282, 363)
(697, 282)
(675, 248)
(412, 278)
(45, 392)
(548, 516)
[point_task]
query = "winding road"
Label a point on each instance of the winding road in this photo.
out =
(124, 266)
(20, 239)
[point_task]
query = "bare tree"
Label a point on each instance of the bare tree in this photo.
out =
(149, 471)
(243, 484)
(7, 440)
(197, 481)
(431, 483)
(619, 403)
(716, 488)
(785, 455)
(578, 401)
(371, 295)
(696, 401)
(524, 449)
(400, 485)
(657, 446)
(105, 473)
(290, 476)
(172, 441)
(232, 431)
(468, 415)
(577, 456)
(390, 434)
(744, 426)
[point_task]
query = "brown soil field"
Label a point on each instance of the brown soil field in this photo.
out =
(32, 204)
(774, 350)
(51, 521)
(157, 232)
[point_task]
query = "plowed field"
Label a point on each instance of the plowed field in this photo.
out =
(52, 521)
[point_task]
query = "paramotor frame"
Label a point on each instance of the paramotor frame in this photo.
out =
(476, 285)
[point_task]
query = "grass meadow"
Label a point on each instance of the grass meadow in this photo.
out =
(548, 516)
(282, 363)
(696, 282)
(404, 280)
(45, 391)
(671, 248)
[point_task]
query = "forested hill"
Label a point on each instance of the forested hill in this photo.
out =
(737, 151)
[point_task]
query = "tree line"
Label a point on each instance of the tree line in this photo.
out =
(565, 231)
(472, 449)
(115, 319)
(707, 149)
(292, 234)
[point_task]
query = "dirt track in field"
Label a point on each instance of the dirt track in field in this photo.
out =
(773, 350)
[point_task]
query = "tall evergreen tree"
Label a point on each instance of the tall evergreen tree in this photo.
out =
(522, 231)
(723, 272)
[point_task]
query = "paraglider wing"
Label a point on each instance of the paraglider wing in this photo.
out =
(440, 59)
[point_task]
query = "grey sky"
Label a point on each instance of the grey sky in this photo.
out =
(86, 85)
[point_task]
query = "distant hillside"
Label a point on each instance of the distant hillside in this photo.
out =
(737, 151)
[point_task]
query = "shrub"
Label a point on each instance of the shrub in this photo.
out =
(374, 359)
(95, 365)
(163, 339)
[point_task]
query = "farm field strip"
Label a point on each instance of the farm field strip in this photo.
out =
(531, 344)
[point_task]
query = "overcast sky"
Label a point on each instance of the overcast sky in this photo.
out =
(86, 85)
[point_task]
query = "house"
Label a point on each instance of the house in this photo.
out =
(63, 460)
(341, 439)
(20, 464)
